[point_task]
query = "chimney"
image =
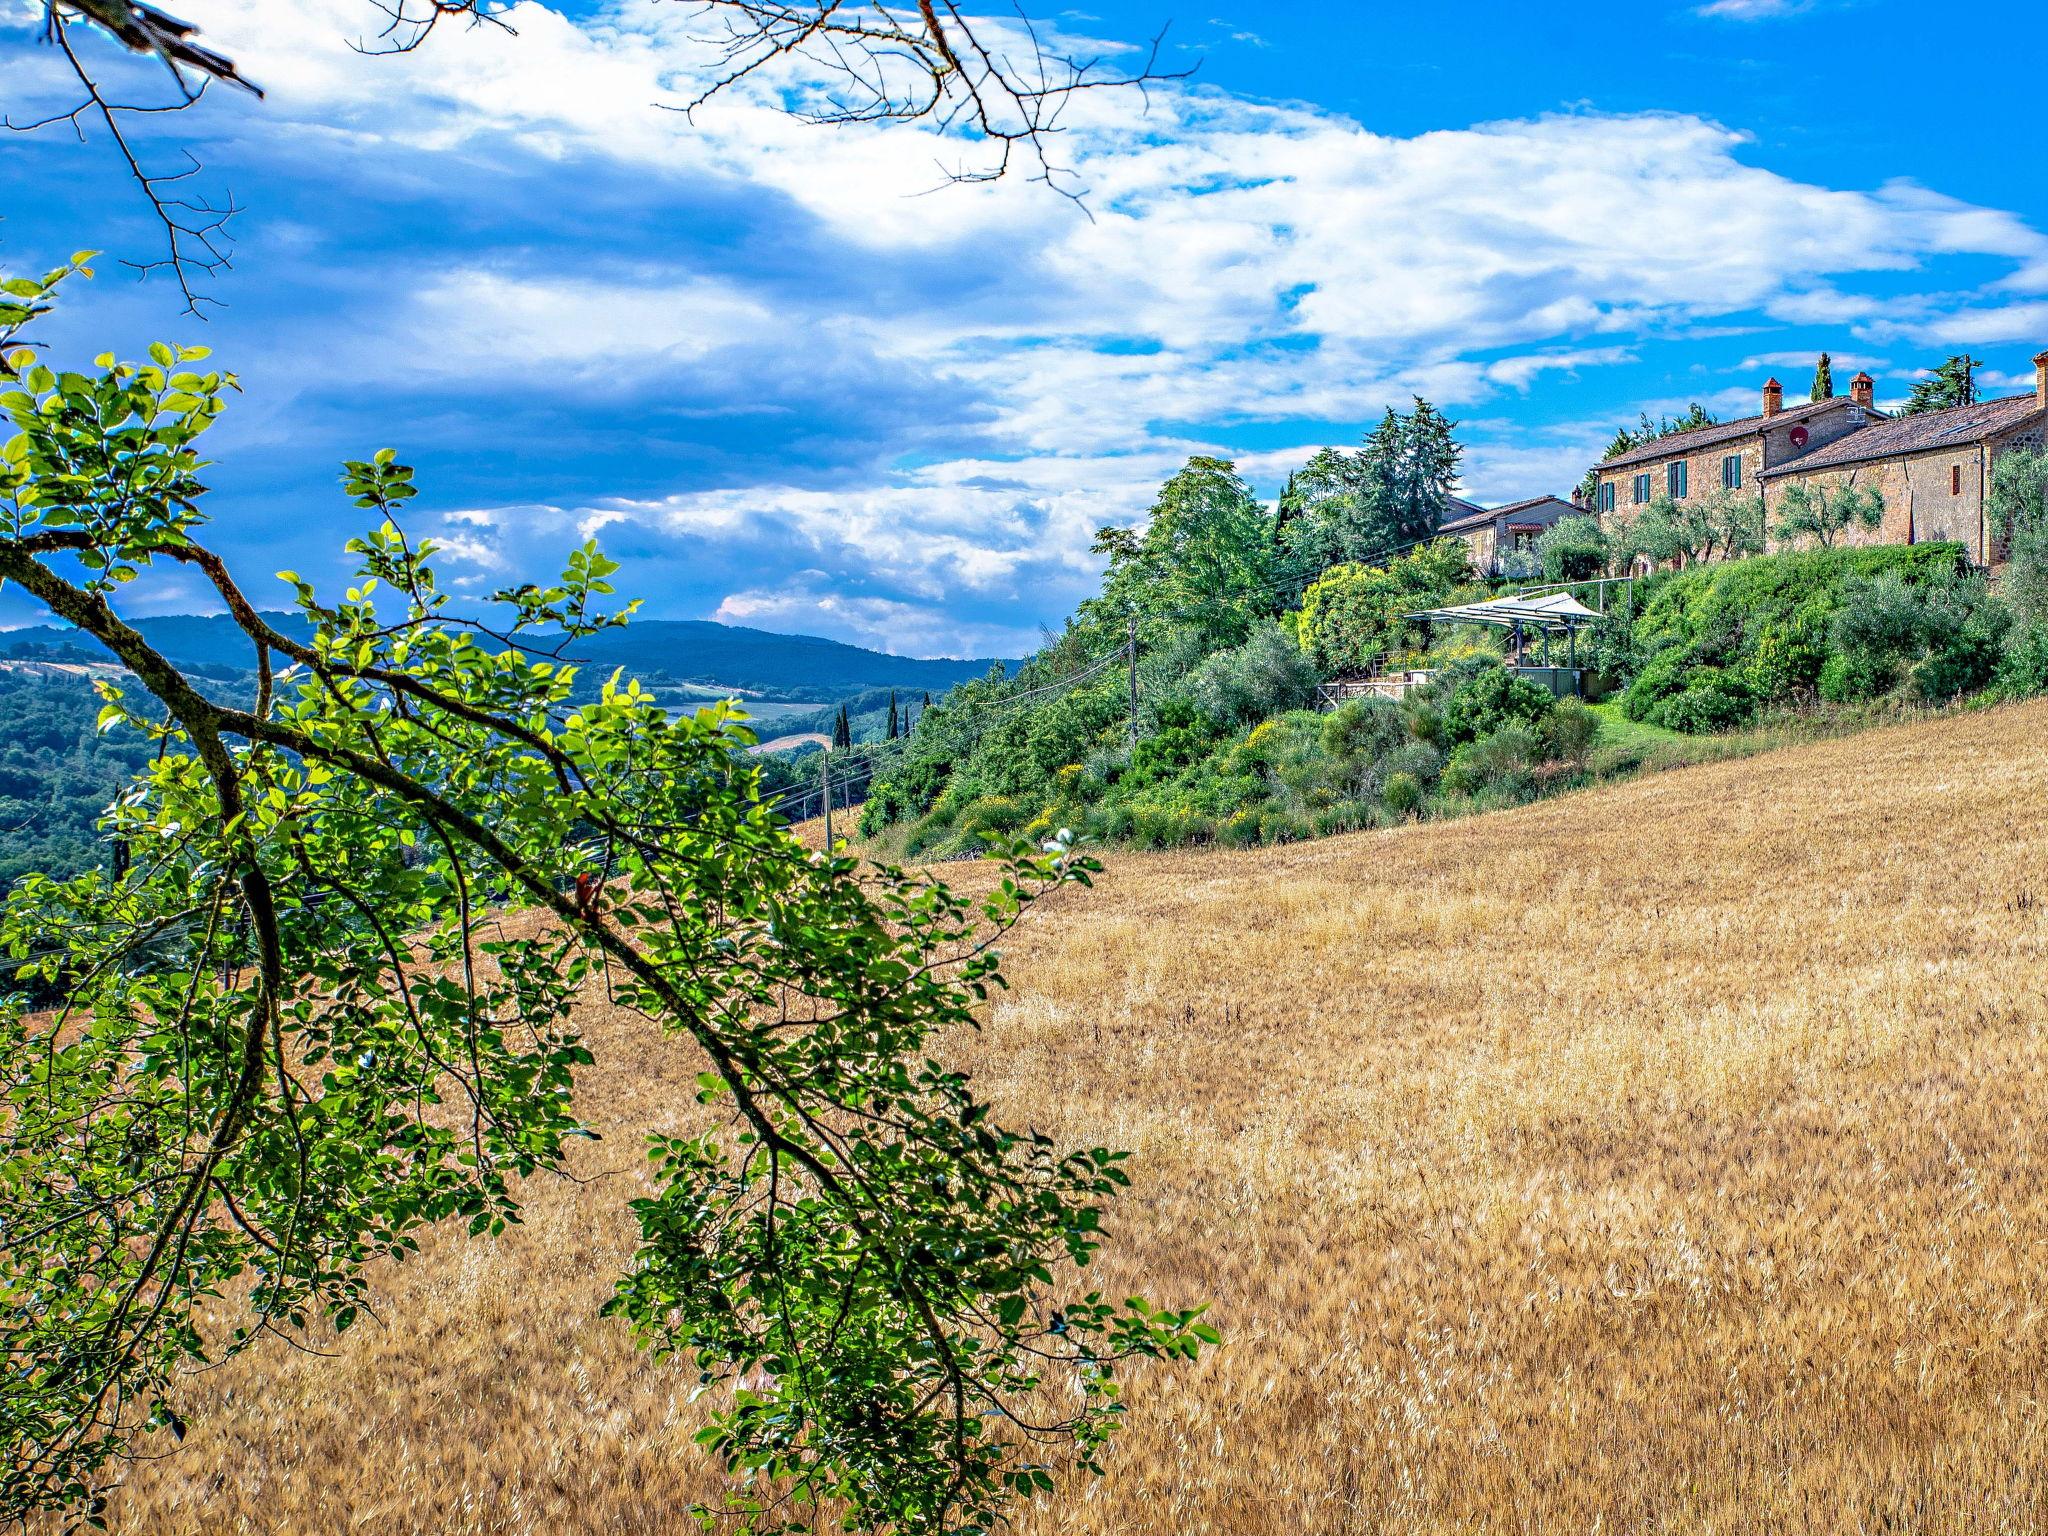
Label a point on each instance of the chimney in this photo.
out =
(1863, 390)
(2041, 380)
(1774, 397)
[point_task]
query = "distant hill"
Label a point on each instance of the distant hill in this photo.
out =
(658, 650)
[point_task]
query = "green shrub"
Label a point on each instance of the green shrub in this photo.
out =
(1500, 763)
(1352, 616)
(2023, 670)
(1240, 830)
(1712, 700)
(991, 814)
(1848, 677)
(1265, 676)
(1663, 678)
(1967, 663)
(1346, 816)
(1567, 732)
(1278, 826)
(1418, 759)
(1403, 794)
(1572, 549)
(1482, 701)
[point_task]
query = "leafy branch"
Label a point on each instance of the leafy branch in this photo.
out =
(307, 1021)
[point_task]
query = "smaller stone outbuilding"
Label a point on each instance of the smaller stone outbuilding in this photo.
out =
(1494, 535)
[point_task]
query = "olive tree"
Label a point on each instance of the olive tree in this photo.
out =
(1823, 514)
(322, 996)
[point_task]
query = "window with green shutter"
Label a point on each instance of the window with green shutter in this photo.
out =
(1731, 472)
(1676, 479)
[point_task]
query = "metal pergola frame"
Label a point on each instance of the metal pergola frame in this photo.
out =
(1546, 615)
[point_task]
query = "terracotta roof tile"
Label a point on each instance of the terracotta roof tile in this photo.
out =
(1479, 517)
(1924, 433)
(1677, 444)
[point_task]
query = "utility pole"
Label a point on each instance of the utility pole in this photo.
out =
(825, 783)
(1132, 651)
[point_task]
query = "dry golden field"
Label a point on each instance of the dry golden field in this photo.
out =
(1662, 1159)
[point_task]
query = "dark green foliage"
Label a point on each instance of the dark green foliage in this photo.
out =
(1762, 625)
(1265, 676)
(1573, 549)
(1353, 617)
(1567, 732)
(1711, 700)
(1946, 633)
(1477, 698)
(1823, 379)
(1365, 507)
(2023, 670)
(1952, 383)
(58, 774)
(1501, 763)
(1204, 560)
(1404, 794)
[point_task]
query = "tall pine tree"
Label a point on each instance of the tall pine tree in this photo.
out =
(1428, 470)
(1953, 383)
(1823, 379)
(842, 731)
(894, 730)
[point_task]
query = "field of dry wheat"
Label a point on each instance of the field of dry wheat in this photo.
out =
(1668, 1158)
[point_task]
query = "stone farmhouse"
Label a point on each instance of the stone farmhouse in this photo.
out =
(1494, 535)
(1933, 469)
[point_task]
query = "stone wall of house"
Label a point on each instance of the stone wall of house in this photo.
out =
(1921, 503)
(1480, 542)
(1703, 476)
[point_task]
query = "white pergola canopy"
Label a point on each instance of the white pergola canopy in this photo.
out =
(1557, 610)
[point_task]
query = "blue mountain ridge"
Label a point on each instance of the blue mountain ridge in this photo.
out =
(657, 650)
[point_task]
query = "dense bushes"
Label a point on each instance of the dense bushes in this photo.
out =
(1266, 676)
(1479, 736)
(1711, 646)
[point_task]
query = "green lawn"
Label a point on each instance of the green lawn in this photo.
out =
(1617, 730)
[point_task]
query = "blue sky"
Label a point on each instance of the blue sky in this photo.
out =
(792, 385)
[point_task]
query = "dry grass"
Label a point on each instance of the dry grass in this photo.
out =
(1667, 1158)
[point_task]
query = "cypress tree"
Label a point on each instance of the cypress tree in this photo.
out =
(892, 715)
(842, 731)
(1823, 379)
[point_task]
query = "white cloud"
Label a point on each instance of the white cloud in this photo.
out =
(1754, 10)
(810, 606)
(472, 319)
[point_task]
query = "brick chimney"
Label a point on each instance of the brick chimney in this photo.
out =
(2041, 380)
(1774, 397)
(1863, 390)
